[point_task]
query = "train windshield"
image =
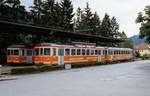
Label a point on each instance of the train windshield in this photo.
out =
(13, 52)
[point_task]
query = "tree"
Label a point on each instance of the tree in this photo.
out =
(144, 20)
(86, 18)
(128, 43)
(48, 13)
(106, 26)
(36, 12)
(78, 19)
(66, 15)
(11, 10)
(96, 24)
(114, 28)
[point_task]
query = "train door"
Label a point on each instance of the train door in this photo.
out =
(29, 55)
(105, 53)
(61, 56)
(99, 55)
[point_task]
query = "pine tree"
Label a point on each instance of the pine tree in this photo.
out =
(66, 14)
(114, 28)
(96, 25)
(36, 12)
(78, 19)
(48, 13)
(106, 26)
(57, 15)
(86, 21)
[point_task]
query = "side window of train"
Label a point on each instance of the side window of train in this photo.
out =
(41, 51)
(67, 52)
(47, 51)
(92, 52)
(96, 52)
(54, 51)
(88, 52)
(105, 52)
(73, 52)
(78, 51)
(61, 52)
(16, 52)
(83, 52)
(37, 51)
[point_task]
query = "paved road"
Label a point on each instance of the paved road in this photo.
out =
(126, 79)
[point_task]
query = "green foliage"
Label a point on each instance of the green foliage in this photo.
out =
(128, 43)
(12, 10)
(34, 69)
(66, 14)
(106, 26)
(137, 54)
(145, 57)
(144, 20)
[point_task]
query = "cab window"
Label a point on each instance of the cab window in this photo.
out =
(16, 52)
(8, 52)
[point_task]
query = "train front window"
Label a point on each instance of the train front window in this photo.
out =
(12, 52)
(47, 51)
(22, 53)
(16, 52)
(41, 51)
(8, 52)
(99, 52)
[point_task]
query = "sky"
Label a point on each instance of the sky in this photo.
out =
(125, 11)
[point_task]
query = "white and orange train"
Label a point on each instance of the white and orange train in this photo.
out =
(61, 54)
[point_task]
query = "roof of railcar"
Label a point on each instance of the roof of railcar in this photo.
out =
(19, 46)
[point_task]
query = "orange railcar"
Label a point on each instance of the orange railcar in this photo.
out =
(58, 54)
(61, 54)
(19, 54)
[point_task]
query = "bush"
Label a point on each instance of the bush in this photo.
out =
(24, 70)
(145, 57)
(34, 69)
